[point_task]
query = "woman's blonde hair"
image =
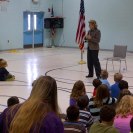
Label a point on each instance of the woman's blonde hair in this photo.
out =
(43, 99)
(78, 90)
(3, 63)
(125, 106)
(94, 23)
(102, 92)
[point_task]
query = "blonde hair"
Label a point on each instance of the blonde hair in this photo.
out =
(94, 23)
(3, 63)
(125, 106)
(118, 77)
(43, 99)
(104, 74)
(78, 90)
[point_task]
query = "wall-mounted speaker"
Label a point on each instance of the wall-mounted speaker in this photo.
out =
(53, 22)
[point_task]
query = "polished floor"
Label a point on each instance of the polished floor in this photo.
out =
(60, 63)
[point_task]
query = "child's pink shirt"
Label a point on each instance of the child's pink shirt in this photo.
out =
(123, 124)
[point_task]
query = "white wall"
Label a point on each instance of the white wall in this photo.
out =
(114, 18)
(11, 22)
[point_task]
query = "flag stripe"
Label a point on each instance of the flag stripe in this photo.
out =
(80, 35)
(81, 30)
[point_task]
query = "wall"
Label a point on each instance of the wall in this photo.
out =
(114, 18)
(11, 22)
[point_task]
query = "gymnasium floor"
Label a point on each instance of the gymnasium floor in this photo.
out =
(60, 63)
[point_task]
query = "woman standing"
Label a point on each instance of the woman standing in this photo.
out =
(38, 114)
(93, 37)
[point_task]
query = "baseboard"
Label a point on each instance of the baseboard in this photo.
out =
(35, 46)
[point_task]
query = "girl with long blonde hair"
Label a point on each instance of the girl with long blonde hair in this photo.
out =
(124, 113)
(39, 112)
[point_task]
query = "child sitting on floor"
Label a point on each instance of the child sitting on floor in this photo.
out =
(4, 74)
(72, 124)
(107, 115)
(123, 84)
(115, 90)
(85, 116)
(104, 78)
(12, 101)
(78, 90)
(96, 83)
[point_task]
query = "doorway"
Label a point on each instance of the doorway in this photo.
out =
(33, 26)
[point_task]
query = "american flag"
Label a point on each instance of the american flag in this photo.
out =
(81, 27)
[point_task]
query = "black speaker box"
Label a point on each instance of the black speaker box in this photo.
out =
(53, 22)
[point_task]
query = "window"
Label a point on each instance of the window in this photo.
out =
(29, 22)
(35, 21)
(30, 17)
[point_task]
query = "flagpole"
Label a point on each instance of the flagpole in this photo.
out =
(80, 35)
(81, 62)
(52, 29)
